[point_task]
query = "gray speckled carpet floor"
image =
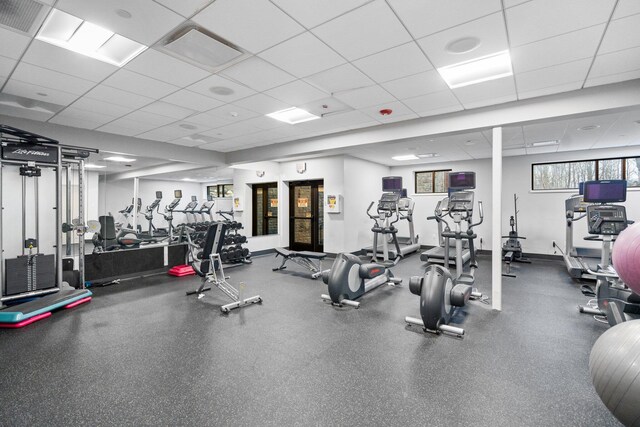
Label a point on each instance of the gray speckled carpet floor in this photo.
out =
(143, 353)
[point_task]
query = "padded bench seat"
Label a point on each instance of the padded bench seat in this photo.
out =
(312, 261)
(303, 254)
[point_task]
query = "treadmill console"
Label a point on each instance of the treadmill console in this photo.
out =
(461, 201)
(388, 202)
(606, 220)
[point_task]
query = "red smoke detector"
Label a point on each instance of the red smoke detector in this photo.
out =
(386, 111)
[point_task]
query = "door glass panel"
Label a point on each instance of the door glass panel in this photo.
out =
(302, 231)
(259, 212)
(321, 215)
(273, 226)
(302, 202)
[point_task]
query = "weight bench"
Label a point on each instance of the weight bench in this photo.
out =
(312, 261)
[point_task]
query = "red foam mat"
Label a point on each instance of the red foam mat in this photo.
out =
(26, 322)
(182, 270)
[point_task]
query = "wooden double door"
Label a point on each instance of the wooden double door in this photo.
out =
(306, 215)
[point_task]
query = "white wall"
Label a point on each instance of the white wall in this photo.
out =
(541, 214)
(425, 204)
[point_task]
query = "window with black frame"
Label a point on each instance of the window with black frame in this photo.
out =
(567, 175)
(220, 190)
(429, 182)
(265, 209)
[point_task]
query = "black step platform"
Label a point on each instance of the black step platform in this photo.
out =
(23, 314)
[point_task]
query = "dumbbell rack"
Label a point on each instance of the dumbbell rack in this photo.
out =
(233, 252)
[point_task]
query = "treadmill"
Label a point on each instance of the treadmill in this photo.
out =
(436, 254)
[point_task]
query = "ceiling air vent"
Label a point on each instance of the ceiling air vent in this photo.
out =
(19, 14)
(202, 48)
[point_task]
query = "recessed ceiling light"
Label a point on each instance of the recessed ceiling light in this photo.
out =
(92, 166)
(543, 143)
(119, 159)
(69, 32)
(123, 13)
(469, 142)
(293, 115)
(463, 45)
(42, 94)
(428, 155)
(187, 126)
(589, 127)
(405, 157)
(221, 90)
(477, 70)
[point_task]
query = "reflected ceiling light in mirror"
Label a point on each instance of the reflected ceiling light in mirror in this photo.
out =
(93, 166)
(72, 33)
(543, 143)
(293, 115)
(119, 159)
(428, 155)
(589, 127)
(477, 70)
(405, 157)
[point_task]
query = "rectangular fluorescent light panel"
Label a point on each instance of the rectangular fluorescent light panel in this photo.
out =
(477, 70)
(119, 159)
(69, 32)
(293, 116)
(544, 143)
(428, 155)
(405, 157)
(92, 166)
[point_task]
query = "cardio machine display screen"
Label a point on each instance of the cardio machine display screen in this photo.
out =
(158, 194)
(465, 180)
(177, 194)
(392, 184)
(605, 191)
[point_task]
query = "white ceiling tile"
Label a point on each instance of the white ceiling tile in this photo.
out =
(257, 74)
(148, 118)
(418, 84)
(615, 63)
(621, 34)
(326, 107)
(438, 101)
(400, 61)
(195, 101)
(15, 87)
(13, 44)
(232, 113)
(132, 124)
(510, 152)
(254, 25)
(487, 93)
(548, 131)
(265, 123)
(232, 130)
(105, 108)
(550, 90)
(626, 8)
(194, 140)
(149, 21)
(32, 74)
(358, 33)
(118, 129)
(65, 61)
(208, 120)
(303, 55)
(262, 104)
(139, 84)
(117, 96)
(185, 8)
(203, 88)
(168, 110)
(171, 132)
(166, 68)
(511, 3)
(80, 118)
(6, 66)
(489, 30)
(24, 113)
(541, 150)
(540, 19)
(296, 93)
(311, 13)
(557, 50)
(424, 17)
(612, 78)
(366, 97)
(341, 78)
(397, 107)
(570, 72)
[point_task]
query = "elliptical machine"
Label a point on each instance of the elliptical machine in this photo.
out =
(168, 214)
(350, 278)
(384, 226)
(439, 290)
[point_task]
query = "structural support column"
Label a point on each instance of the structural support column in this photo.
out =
(496, 222)
(136, 183)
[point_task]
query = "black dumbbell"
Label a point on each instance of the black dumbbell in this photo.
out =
(242, 239)
(224, 255)
(239, 226)
(245, 252)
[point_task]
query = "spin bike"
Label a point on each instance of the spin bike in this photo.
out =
(440, 291)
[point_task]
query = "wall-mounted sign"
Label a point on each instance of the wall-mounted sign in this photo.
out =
(332, 203)
(303, 202)
(237, 204)
(273, 203)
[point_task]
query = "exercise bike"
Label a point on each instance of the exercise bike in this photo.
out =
(440, 291)
(349, 278)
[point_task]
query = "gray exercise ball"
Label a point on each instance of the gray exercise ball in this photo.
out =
(614, 365)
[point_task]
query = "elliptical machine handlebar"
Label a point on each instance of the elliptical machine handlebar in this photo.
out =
(371, 216)
(481, 212)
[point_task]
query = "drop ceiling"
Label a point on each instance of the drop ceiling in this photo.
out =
(355, 57)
